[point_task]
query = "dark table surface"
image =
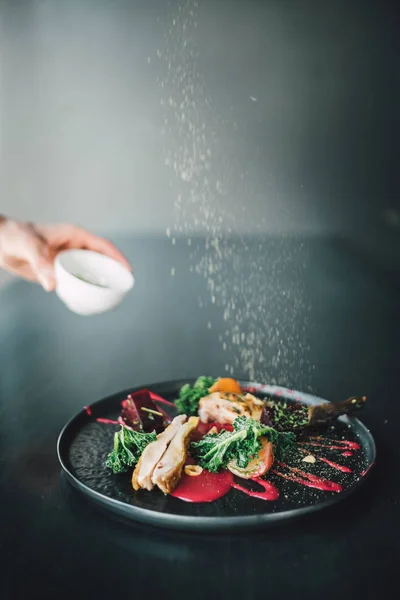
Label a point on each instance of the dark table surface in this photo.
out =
(52, 362)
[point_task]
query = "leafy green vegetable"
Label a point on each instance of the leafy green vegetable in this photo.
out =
(128, 447)
(188, 401)
(214, 451)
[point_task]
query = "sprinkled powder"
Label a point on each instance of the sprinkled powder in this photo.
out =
(264, 343)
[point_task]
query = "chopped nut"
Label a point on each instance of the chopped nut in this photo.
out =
(309, 459)
(213, 430)
(193, 470)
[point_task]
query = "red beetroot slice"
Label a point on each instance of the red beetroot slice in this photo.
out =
(165, 407)
(267, 416)
(140, 412)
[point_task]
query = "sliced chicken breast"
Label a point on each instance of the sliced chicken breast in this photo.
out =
(225, 408)
(151, 455)
(169, 468)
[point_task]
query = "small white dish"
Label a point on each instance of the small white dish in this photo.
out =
(90, 283)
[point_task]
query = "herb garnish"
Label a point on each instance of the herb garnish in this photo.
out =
(286, 416)
(214, 451)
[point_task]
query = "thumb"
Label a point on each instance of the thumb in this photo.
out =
(42, 265)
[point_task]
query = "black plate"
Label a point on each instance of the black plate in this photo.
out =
(84, 444)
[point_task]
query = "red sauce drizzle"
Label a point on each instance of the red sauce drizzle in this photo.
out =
(307, 479)
(347, 453)
(330, 463)
(270, 492)
(88, 410)
(335, 465)
(363, 474)
(208, 487)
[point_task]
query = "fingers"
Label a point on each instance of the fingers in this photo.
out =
(71, 236)
(21, 269)
(106, 247)
(25, 253)
(39, 259)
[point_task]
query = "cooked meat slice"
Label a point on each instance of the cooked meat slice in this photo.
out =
(169, 469)
(135, 474)
(141, 477)
(224, 408)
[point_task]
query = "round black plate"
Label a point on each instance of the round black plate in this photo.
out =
(83, 446)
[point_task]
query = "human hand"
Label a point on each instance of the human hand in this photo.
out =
(28, 250)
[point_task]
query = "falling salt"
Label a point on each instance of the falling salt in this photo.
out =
(263, 343)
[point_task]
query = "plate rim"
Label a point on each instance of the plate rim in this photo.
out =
(173, 521)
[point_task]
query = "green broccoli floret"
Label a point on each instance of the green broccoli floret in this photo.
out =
(128, 447)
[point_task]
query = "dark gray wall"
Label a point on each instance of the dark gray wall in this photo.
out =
(297, 103)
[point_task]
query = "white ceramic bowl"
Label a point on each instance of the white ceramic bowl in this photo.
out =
(90, 283)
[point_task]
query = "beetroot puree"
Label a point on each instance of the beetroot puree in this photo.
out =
(205, 487)
(208, 487)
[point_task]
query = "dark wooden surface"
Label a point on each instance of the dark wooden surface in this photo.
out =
(52, 362)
